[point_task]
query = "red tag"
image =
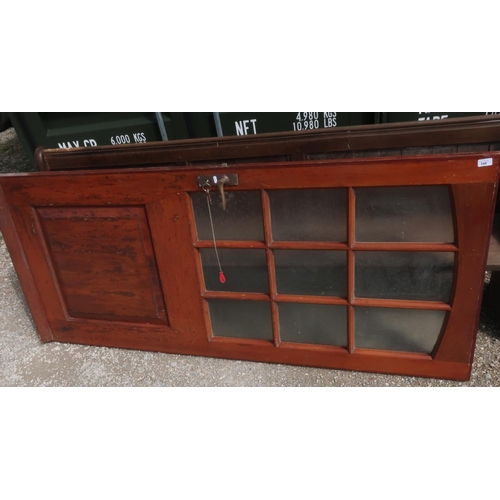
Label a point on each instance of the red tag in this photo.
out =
(222, 278)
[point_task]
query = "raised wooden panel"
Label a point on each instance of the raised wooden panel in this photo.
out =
(104, 262)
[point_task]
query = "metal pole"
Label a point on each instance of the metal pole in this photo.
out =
(218, 125)
(161, 125)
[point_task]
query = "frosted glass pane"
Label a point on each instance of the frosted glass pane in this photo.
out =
(242, 220)
(404, 214)
(245, 270)
(311, 272)
(313, 324)
(397, 329)
(241, 318)
(404, 275)
(309, 214)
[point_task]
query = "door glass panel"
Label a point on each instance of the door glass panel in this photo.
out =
(311, 272)
(241, 221)
(313, 323)
(245, 270)
(309, 214)
(404, 214)
(397, 329)
(404, 275)
(241, 318)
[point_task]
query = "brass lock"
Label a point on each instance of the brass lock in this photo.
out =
(219, 181)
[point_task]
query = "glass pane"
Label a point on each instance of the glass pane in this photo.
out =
(242, 219)
(397, 329)
(311, 272)
(241, 318)
(245, 270)
(404, 275)
(313, 324)
(404, 214)
(309, 214)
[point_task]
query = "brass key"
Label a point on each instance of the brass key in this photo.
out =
(220, 183)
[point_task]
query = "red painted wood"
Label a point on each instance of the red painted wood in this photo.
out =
(307, 245)
(235, 296)
(311, 299)
(170, 224)
(24, 274)
(104, 262)
(472, 204)
(402, 304)
(155, 183)
(405, 247)
(271, 270)
(230, 244)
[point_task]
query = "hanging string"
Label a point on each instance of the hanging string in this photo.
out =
(206, 188)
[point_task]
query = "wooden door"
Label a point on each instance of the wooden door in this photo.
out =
(373, 265)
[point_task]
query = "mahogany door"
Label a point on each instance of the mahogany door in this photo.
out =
(373, 265)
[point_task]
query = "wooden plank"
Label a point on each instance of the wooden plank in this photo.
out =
(170, 226)
(120, 187)
(294, 145)
(472, 203)
(24, 274)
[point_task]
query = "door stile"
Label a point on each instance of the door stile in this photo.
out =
(24, 272)
(32, 238)
(170, 225)
(42, 239)
(473, 232)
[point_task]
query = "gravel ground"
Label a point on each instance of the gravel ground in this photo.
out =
(25, 361)
(12, 155)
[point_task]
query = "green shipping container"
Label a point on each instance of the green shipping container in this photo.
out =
(259, 123)
(424, 116)
(72, 130)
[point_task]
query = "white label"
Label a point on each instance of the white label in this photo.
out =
(243, 127)
(310, 121)
(487, 162)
